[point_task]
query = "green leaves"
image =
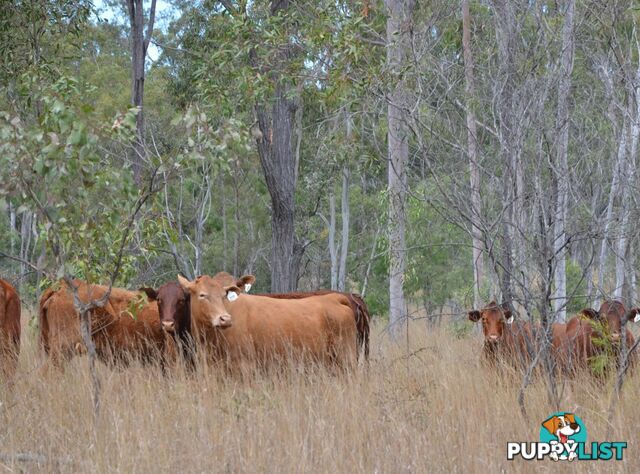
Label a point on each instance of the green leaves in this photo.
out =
(60, 168)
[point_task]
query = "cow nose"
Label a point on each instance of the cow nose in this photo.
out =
(493, 337)
(222, 321)
(169, 326)
(615, 336)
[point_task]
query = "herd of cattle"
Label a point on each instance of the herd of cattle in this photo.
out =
(574, 345)
(216, 314)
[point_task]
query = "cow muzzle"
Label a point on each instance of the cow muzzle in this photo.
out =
(169, 326)
(222, 321)
(615, 337)
(493, 338)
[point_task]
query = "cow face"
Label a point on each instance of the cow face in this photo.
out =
(173, 306)
(494, 318)
(613, 314)
(207, 300)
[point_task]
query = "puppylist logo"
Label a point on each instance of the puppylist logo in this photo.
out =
(563, 437)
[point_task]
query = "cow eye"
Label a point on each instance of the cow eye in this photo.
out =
(202, 296)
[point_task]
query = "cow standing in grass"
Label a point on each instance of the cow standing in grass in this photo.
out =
(126, 327)
(9, 329)
(174, 309)
(238, 328)
(504, 338)
(593, 334)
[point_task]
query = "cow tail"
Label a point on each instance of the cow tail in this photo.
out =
(43, 320)
(363, 321)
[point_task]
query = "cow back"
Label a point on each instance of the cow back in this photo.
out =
(319, 328)
(359, 308)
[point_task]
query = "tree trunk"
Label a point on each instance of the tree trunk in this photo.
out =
(372, 256)
(277, 123)
(613, 193)
(472, 152)
(139, 45)
(225, 231)
(561, 171)
(346, 214)
(201, 218)
(236, 223)
(505, 25)
(26, 222)
(332, 240)
(623, 284)
(398, 48)
(277, 158)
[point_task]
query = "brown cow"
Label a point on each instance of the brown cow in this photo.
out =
(241, 328)
(174, 308)
(9, 329)
(118, 334)
(504, 338)
(591, 333)
(359, 308)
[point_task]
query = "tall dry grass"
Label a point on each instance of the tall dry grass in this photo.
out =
(435, 410)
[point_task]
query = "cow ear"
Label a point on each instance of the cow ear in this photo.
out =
(150, 292)
(590, 313)
(634, 315)
(474, 315)
(232, 292)
(246, 282)
(508, 316)
(185, 284)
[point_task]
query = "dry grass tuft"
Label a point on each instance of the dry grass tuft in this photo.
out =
(437, 410)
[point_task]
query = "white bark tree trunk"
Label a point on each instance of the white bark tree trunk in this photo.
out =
(333, 254)
(346, 214)
(628, 176)
(562, 166)
(472, 153)
(398, 46)
(613, 193)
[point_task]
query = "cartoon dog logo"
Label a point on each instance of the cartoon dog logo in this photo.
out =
(562, 427)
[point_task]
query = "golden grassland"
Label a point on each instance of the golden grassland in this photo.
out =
(435, 410)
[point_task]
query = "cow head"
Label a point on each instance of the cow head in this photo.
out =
(614, 315)
(633, 315)
(590, 313)
(494, 317)
(207, 300)
(173, 306)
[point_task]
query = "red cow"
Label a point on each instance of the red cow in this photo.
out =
(591, 333)
(504, 338)
(174, 309)
(242, 328)
(118, 334)
(9, 328)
